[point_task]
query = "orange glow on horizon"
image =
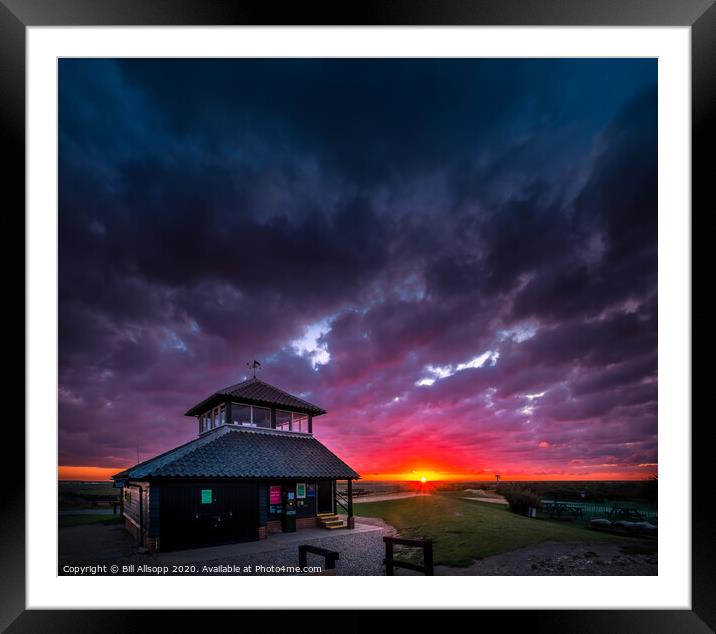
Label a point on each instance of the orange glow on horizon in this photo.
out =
(93, 474)
(482, 477)
(98, 474)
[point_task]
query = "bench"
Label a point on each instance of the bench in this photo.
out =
(391, 563)
(329, 558)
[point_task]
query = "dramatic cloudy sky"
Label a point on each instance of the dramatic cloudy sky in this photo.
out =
(456, 258)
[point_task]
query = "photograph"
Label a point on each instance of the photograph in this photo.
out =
(357, 316)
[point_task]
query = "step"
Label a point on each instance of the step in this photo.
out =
(330, 518)
(325, 515)
(332, 527)
(333, 523)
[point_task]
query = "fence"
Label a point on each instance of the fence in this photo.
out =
(391, 563)
(608, 510)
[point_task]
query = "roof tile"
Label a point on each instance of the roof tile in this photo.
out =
(245, 453)
(256, 391)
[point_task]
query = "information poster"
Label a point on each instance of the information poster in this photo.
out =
(301, 490)
(275, 494)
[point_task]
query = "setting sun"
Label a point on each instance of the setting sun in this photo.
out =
(423, 479)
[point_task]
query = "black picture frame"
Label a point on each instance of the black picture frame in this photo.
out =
(17, 15)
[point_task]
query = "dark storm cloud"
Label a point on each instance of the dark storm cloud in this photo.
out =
(455, 250)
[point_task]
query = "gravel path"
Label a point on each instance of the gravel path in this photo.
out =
(566, 558)
(361, 553)
(490, 500)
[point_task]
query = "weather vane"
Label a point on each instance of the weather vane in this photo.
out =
(255, 365)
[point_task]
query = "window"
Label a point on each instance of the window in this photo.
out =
(291, 421)
(300, 422)
(218, 416)
(240, 414)
(250, 416)
(261, 417)
(283, 420)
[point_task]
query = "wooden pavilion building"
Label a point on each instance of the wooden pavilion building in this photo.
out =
(254, 469)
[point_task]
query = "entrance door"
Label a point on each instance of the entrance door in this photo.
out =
(197, 514)
(325, 496)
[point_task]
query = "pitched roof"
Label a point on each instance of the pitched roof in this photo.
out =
(229, 452)
(255, 391)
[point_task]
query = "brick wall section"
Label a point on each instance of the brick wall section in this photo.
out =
(152, 543)
(274, 526)
(307, 522)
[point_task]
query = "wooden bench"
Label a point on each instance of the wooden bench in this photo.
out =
(391, 563)
(329, 558)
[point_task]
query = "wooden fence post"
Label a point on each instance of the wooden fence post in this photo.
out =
(389, 559)
(428, 558)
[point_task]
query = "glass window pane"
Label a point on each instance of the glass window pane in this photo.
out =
(222, 415)
(283, 420)
(300, 422)
(262, 417)
(240, 414)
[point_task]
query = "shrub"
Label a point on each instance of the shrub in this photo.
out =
(521, 499)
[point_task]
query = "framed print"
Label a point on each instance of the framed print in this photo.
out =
(400, 291)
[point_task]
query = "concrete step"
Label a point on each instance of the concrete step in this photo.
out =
(332, 527)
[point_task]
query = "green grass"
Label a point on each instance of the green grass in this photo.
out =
(83, 495)
(465, 530)
(78, 520)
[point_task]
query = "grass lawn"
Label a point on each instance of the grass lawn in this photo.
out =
(465, 530)
(77, 520)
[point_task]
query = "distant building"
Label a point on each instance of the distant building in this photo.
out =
(254, 469)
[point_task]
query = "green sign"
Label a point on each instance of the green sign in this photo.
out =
(206, 497)
(300, 490)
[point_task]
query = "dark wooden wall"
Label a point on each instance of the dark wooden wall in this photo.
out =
(131, 506)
